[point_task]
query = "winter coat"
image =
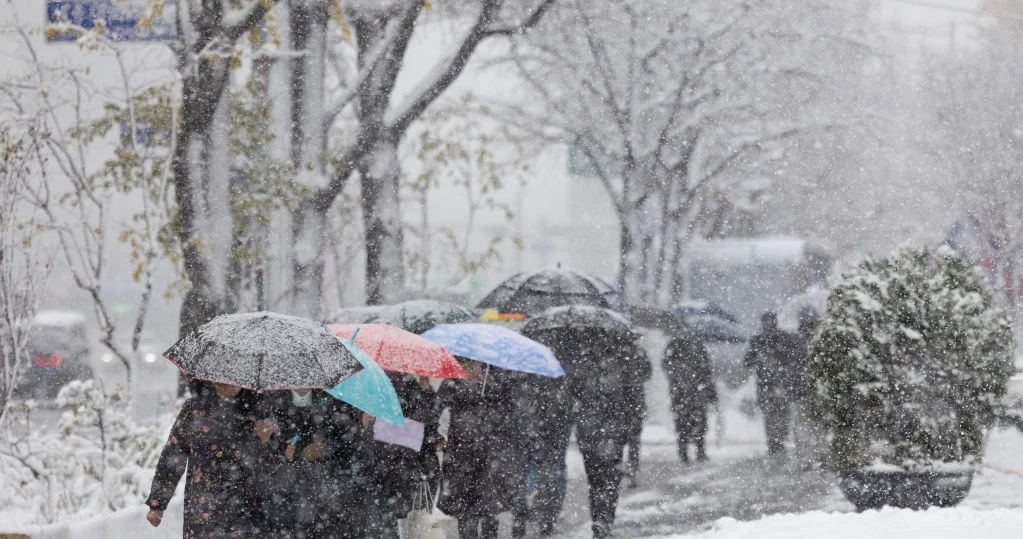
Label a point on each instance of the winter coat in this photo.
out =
(686, 364)
(769, 356)
(217, 443)
(394, 470)
(485, 455)
(797, 382)
(296, 492)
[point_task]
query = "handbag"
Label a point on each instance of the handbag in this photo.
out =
(420, 522)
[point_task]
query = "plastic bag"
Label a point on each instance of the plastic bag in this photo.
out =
(420, 523)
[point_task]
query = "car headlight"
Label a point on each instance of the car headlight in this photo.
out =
(107, 357)
(149, 357)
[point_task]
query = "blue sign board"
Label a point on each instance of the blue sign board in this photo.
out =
(121, 18)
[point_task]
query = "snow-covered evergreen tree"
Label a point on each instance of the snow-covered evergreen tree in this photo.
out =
(909, 361)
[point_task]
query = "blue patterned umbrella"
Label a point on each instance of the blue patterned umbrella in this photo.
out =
(497, 346)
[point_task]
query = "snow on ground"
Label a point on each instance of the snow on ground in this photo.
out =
(902, 523)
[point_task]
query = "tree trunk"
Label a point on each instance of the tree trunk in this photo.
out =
(385, 266)
(310, 225)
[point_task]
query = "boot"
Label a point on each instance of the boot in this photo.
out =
(701, 451)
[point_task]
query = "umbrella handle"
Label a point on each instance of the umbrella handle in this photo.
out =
(354, 333)
(486, 373)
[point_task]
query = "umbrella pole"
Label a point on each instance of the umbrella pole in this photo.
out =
(486, 372)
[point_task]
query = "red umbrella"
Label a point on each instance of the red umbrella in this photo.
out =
(395, 349)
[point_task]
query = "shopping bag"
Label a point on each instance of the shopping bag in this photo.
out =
(420, 523)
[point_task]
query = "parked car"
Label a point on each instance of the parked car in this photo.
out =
(58, 354)
(710, 322)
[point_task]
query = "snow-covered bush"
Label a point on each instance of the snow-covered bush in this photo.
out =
(94, 460)
(909, 361)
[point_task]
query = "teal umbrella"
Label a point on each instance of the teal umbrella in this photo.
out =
(369, 389)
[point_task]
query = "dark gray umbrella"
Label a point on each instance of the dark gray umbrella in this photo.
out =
(420, 315)
(533, 293)
(578, 317)
(264, 350)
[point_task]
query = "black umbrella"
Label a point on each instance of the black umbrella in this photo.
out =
(578, 317)
(264, 350)
(421, 315)
(533, 293)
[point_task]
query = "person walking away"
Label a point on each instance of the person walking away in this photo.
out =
(686, 365)
(396, 472)
(484, 459)
(546, 407)
(768, 356)
(808, 433)
(636, 376)
(603, 417)
(309, 441)
(213, 438)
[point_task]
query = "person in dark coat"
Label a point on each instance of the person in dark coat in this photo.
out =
(546, 405)
(396, 472)
(484, 458)
(687, 367)
(769, 357)
(309, 449)
(215, 439)
(634, 396)
(808, 433)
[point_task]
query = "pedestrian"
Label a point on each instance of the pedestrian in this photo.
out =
(598, 362)
(396, 473)
(484, 457)
(691, 386)
(546, 406)
(808, 433)
(634, 396)
(769, 357)
(214, 438)
(309, 446)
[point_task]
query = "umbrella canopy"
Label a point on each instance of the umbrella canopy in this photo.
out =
(578, 316)
(420, 315)
(264, 350)
(369, 390)
(355, 315)
(395, 349)
(710, 322)
(532, 293)
(497, 346)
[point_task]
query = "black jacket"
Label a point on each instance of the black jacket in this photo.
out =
(687, 366)
(216, 441)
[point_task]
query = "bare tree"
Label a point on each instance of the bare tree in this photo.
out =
(978, 114)
(74, 198)
(208, 32)
(24, 266)
(353, 123)
(676, 108)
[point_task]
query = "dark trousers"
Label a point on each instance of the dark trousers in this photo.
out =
(547, 475)
(776, 423)
(691, 427)
(602, 460)
(473, 527)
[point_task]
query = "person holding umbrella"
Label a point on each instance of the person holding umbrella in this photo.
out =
(484, 459)
(216, 441)
(395, 473)
(216, 436)
(310, 480)
(602, 357)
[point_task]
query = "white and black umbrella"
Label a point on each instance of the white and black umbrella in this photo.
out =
(264, 351)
